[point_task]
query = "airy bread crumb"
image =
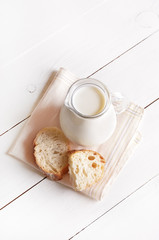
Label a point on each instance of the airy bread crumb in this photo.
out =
(50, 151)
(86, 167)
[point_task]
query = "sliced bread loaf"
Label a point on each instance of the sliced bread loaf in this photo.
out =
(50, 151)
(86, 167)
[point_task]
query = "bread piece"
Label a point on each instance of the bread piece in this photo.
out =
(50, 151)
(86, 167)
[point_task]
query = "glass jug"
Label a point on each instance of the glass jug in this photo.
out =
(88, 115)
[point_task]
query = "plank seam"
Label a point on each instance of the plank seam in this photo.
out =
(114, 206)
(14, 126)
(23, 193)
(126, 51)
(151, 103)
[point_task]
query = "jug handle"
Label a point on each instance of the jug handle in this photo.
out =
(119, 102)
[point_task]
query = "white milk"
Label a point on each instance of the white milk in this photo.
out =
(89, 100)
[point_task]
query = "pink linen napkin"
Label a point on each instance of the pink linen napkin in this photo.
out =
(116, 150)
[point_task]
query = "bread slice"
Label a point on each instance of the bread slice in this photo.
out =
(86, 167)
(50, 151)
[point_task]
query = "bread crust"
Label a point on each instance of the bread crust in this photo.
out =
(53, 175)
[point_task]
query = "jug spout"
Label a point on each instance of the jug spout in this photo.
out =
(67, 104)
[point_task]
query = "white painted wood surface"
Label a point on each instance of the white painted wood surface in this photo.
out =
(93, 40)
(135, 218)
(25, 24)
(38, 37)
(58, 206)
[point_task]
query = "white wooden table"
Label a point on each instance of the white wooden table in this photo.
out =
(116, 41)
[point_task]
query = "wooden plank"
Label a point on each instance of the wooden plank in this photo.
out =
(51, 205)
(135, 74)
(84, 46)
(15, 176)
(134, 218)
(24, 24)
